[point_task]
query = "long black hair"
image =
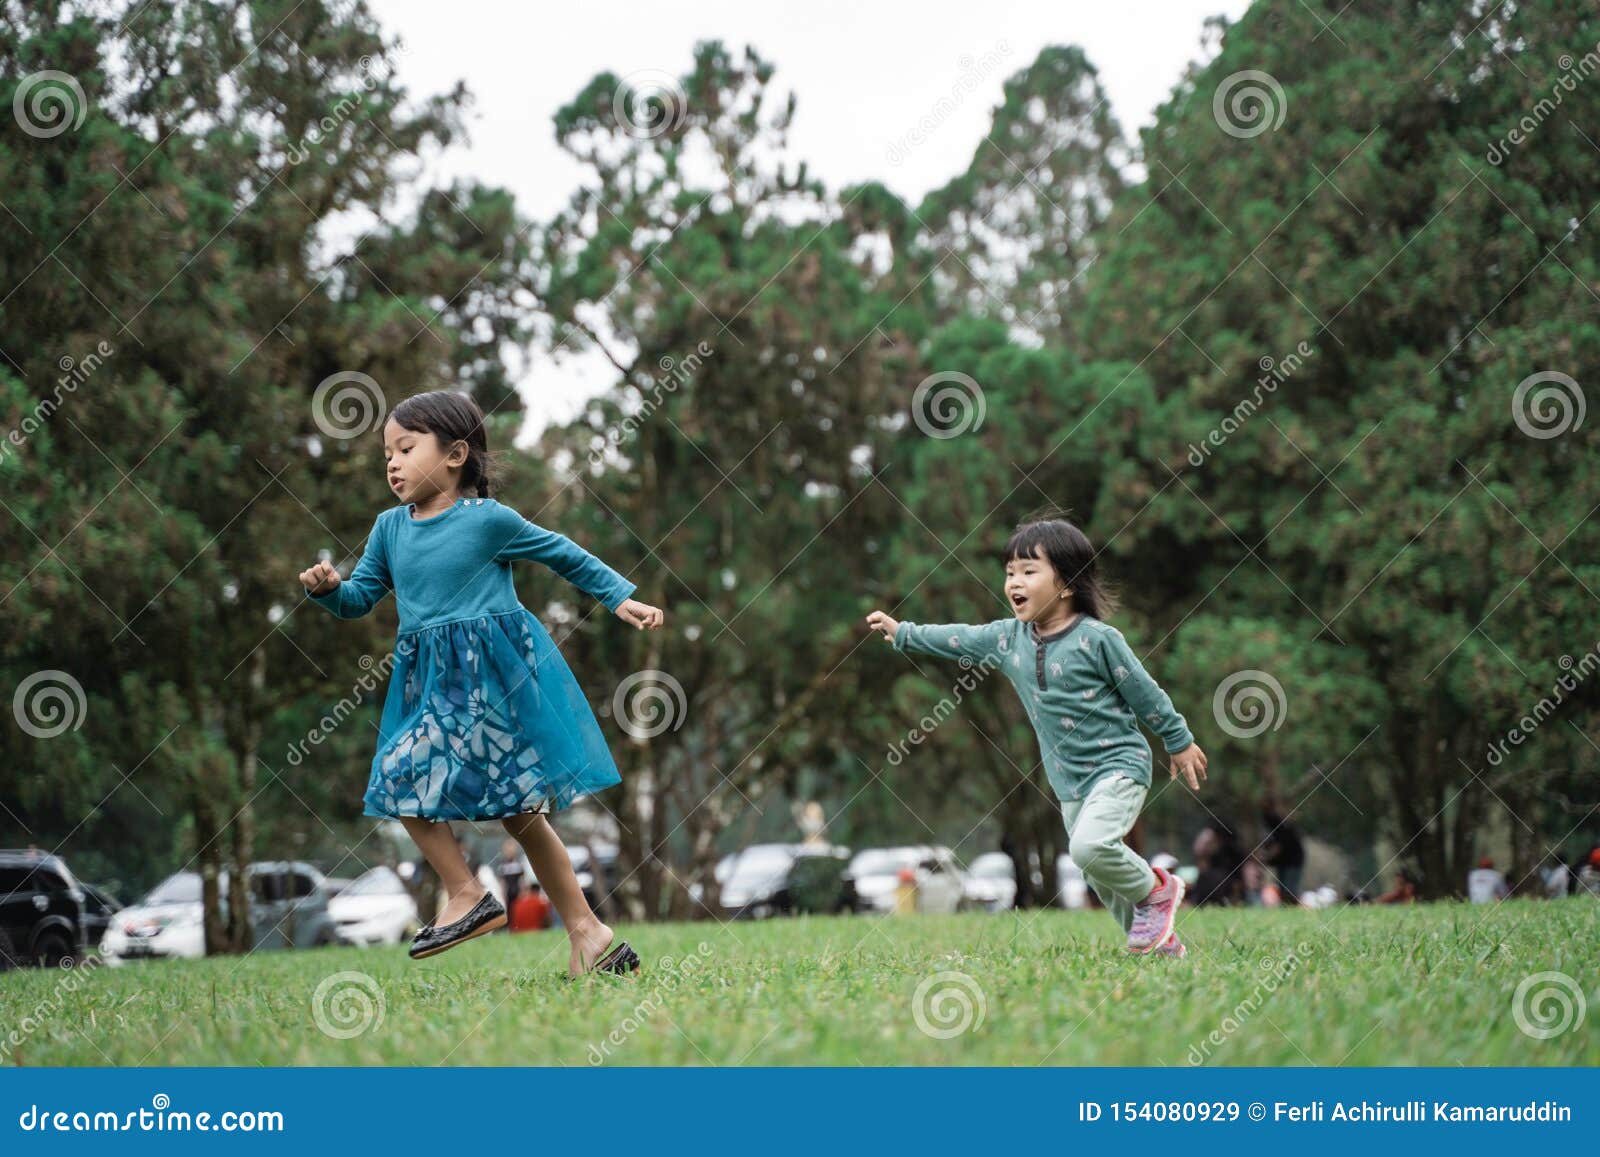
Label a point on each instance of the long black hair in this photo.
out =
(1068, 550)
(451, 417)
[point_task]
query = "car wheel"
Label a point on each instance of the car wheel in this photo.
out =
(53, 949)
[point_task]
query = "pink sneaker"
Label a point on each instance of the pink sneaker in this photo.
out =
(1173, 947)
(1152, 920)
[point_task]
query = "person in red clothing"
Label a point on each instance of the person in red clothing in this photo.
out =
(531, 912)
(1403, 892)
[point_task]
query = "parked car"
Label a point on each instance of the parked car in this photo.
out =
(99, 909)
(375, 908)
(288, 909)
(42, 917)
(770, 880)
(941, 881)
(992, 882)
(1069, 877)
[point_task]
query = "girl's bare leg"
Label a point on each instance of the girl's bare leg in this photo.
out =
(438, 843)
(590, 937)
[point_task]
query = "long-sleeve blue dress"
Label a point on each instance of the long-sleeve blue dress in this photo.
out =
(482, 718)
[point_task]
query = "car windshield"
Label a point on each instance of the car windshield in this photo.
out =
(760, 864)
(378, 882)
(884, 861)
(992, 867)
(182, 888)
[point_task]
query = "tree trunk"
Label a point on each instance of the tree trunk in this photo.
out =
(209, 854)
(630, 840)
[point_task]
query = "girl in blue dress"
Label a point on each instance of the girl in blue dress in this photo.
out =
(483, 718)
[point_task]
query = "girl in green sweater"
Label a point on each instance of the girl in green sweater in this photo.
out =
(1084, 691)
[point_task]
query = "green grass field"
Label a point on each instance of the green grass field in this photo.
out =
(1423, 986)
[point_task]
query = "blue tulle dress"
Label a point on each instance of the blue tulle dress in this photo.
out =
(482, 718)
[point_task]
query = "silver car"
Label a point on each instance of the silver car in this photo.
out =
(288, 909)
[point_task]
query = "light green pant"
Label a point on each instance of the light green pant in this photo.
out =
(1095, 827)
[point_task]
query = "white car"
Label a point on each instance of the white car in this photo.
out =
(288, 909)
(1069, 877)
(757, 881)
(992, 882)
(375, 909)
(941, 881)
(165, 923)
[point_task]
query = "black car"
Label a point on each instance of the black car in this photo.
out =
(42, 907)
(99, 906)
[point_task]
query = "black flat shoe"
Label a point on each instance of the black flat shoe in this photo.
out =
(485, 916)
(620, 960)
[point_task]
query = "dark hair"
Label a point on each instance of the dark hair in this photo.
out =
(451, 417)
(1067, 549)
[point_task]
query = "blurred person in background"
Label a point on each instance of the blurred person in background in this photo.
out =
(1403, 892)
(510, 875)
(1485, 884)
(1284, 852)
(1589, 874)
(1216, 851)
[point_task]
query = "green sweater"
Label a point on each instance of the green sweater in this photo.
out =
(1082, 687)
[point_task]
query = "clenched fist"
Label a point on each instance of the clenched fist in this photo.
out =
(320, 578)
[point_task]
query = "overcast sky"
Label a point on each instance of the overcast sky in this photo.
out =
(864, 75)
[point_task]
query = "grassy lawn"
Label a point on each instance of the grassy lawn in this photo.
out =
(1427, 985)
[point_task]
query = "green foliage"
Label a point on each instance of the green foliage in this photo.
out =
(1291, 374)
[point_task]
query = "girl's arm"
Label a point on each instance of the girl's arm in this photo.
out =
(1142, 693)
(973, 641)
(525, 540)
(368, 583)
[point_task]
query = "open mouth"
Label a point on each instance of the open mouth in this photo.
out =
(394, 484)
(1018, 602)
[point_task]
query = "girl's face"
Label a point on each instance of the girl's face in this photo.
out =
(419, 465)
(1033, 587)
